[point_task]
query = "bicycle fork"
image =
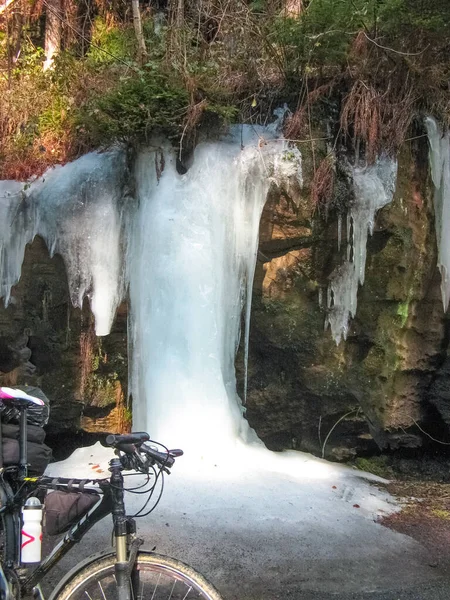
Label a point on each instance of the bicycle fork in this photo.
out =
(127, 545)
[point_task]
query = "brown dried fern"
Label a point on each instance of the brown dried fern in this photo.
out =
(322, 185)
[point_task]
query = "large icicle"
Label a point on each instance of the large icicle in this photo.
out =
(81, 217)
(374, 187)
(192, 265)
(79, 210)
(439, 156)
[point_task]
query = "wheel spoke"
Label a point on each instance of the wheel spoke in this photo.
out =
(156, 587)
(173, 587)
(156, 578)
(187, 593)
(101, 589)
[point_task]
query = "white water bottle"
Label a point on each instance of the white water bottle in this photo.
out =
(31, 531)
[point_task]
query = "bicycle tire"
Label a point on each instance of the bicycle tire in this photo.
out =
(7, 540)
(158, 578)
(9, 530)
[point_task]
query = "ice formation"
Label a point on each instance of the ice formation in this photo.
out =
(79, 210)
(190, 250)
(374, 187)
(16, 230)
(191, 273)
(83, 216)
(439, 157)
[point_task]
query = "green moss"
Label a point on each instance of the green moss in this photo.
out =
(402, 312)
(441, 514)
(377, 465)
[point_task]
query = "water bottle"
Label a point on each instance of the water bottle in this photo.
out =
(31, 531)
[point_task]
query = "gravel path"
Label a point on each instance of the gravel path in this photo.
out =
(262, 534)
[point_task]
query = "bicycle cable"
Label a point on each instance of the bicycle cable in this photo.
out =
(158, 475)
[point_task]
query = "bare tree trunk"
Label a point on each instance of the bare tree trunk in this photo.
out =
(180, 13)
(137, 22)
(52, 31)
(293, 8)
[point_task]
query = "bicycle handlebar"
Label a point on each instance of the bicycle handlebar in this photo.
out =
(134, 444)
(127, 438)
(162, 458)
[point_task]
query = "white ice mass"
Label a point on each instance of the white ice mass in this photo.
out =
(374, 187)
(439, 157)
(187, 247)
(191, 268)
(81, 212)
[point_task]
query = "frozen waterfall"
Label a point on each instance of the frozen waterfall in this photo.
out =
(439, 156)
(374, 187)
(191, 272)
(187, 247)
(17, 223)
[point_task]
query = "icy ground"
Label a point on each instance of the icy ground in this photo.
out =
(263, 525)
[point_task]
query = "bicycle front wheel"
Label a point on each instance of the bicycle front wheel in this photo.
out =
(155, 577)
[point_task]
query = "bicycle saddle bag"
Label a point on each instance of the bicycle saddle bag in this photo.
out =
(64, 509)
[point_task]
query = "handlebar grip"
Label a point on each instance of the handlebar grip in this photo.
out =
(127, 438)
(161, 458)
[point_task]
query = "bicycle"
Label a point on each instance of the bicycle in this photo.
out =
(128, 573)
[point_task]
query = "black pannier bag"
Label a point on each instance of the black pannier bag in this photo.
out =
(64, 509)
(38, 455)
(35, 434)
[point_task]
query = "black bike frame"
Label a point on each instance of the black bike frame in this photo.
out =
(112, 502)
(72, 537)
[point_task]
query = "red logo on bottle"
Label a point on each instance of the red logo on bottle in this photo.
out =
(29, 540)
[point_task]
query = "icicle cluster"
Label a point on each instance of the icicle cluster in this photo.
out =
(78, 209)
(374, 187)
(192, 265)
(439, 157)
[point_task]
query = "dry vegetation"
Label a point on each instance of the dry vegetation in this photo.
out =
(369, 68)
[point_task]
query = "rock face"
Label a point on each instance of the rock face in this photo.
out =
(44, 341)
(386, 387)
(380, 388)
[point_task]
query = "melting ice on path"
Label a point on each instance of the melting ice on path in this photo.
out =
(374, 187)
(191, 272)
(80, 212)
(439, 157)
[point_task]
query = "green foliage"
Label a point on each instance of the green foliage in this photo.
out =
(110, 44)
(136, 108)
(322, 35)
(30, 60)
(415, 16)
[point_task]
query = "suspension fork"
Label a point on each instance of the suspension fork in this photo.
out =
(120, 530)
(124, 529)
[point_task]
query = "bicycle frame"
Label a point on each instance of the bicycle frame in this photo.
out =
(72, 537)
(112, 502)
